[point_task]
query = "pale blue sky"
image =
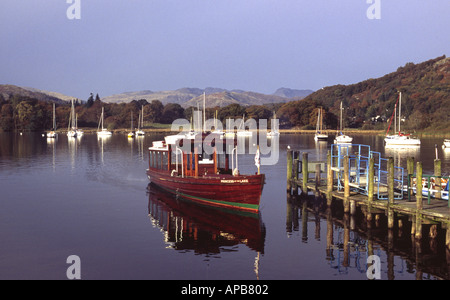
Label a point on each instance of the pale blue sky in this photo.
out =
(257, 45)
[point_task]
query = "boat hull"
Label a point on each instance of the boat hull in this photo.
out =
(52, 135)
(321, 137)
(241, 192)
(401, 141)
(446, 144)
(343, 139)
(244, 133)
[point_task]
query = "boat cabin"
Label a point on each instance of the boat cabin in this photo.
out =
(176, 157)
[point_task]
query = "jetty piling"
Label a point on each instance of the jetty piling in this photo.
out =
(339, 184)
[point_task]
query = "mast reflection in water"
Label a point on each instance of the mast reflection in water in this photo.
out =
(205, 230)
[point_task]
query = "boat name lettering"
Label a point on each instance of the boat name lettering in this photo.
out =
(234, 181)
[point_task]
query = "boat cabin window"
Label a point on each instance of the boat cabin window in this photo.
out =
(158, 160)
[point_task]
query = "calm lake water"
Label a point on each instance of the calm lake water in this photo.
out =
(91, 198)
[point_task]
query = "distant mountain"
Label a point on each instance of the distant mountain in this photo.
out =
(292, 93)
(228, 97)
(179, 96)
(8, 90)
(186, 96)
(52, 94)
(191, 96)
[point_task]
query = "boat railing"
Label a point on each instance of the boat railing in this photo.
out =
(358, 166)
(358, 162)
(382, 172)
(178, 150)
(233, 159)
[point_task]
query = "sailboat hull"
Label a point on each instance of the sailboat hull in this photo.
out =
(52, 135)
(321, 137)
(343, 139)
(401, 141)
(104, 133)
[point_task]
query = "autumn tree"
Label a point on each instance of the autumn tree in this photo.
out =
(171, 112)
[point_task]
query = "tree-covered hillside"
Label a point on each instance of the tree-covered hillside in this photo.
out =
(425, 91)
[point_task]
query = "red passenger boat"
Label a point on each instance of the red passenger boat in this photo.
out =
(180, 165)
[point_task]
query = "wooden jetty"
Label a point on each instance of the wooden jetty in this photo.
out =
(334, 183)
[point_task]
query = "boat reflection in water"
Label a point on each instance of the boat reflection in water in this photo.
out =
(204, 229)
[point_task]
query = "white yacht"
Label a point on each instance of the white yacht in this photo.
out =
(342, 138)
(103, 131)
(320, 135)
(400, 140)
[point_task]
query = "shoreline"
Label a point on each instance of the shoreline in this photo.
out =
(284, 131)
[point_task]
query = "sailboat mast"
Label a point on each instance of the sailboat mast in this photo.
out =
(54, 117)
(204, 111)
(395, 118)
(139, 121)
(142, 118)
(340, 127)
(321, 119)
(399, 112)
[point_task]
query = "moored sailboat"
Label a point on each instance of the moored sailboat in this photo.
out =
(229, 133)
(72, 129)
(274, 131)
(241, 130)
(216, 130)
(52, 134)
(103, 132)
(320, 135)
(139, 131)
(342, 138)
(131, 133)
(400, 140)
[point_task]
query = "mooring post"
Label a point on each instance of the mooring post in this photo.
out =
(305, 172)
(390, 211)
(437, 178)
(317, 176)
(390, 180)
(329, 178)
(330, 234)
(371, 182)
(289, 171)
(419, 202)
(371, 179)
(410, 169)
(447, 239)
(295, 173)
(346, 184)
